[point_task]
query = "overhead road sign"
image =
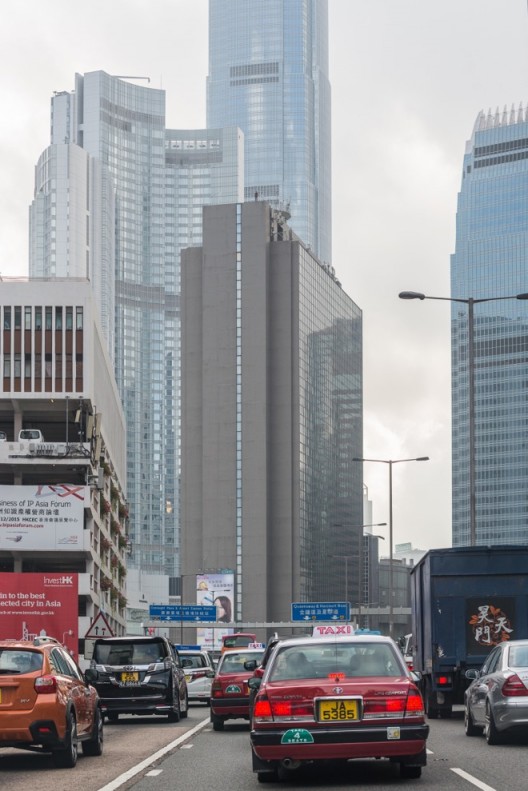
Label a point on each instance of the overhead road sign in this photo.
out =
(182, 612)
(320, 611)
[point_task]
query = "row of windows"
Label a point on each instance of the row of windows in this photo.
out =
(485, 163)
(251, 69)
(35, 316)
(495, 148)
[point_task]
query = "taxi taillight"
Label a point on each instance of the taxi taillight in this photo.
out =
(216, 688)
(414, 706)
(45, 684)
(262, 709)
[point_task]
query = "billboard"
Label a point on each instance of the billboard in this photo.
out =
(43, 517)
(32, 605)
(216, 589)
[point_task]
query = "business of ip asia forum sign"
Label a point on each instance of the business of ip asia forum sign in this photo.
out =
(44, 517)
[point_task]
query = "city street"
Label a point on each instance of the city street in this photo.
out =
(205, 760)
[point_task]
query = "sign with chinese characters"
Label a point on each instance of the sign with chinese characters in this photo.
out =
(182, 612)
(489, 622)
(42, 517)
(320, 611)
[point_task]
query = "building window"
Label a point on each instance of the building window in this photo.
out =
(7, 366)
(49, 318)
(7, 318)
(18, 366)
(79, 317)
(58, 318)
(27, 366)
(38, 318)
(69, 318)
(27, 318)
(18, 317)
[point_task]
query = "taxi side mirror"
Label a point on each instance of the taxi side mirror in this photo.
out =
(250, 664)
(90, 675)
(254, 682)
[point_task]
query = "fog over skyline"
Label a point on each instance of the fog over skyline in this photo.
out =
(408, 78)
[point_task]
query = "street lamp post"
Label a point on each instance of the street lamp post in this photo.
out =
(470, 302)
(360, 559)
(390, 462)
(360, 597)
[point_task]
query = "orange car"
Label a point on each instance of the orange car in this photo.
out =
(46, 703)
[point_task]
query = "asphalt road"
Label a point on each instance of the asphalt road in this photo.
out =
(199, 759)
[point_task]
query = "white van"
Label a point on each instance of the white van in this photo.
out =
(30, 435)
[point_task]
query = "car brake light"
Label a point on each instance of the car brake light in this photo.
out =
(262, 709)
(198, 674)
(443, 681)
(216, 689)
(384, 707)
(514, 687)
(45, 684)
(414, 706)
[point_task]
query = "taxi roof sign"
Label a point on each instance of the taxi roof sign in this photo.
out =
(332, 630)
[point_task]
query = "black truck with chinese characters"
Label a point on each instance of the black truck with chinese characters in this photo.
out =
(464, 601)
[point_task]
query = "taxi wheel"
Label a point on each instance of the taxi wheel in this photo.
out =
(113, 716)
(269, 776)
(218, 722)
(410, 772)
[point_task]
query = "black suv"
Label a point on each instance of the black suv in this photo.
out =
(138, 675)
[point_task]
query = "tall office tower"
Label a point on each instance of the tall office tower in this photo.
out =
(491, 263)
(71, 225)
(268, 74)
(121, 126)
(271, 416)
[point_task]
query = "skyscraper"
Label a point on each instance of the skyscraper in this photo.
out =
(149, 195)
(271, 415)
(268, 74)
(490, 262)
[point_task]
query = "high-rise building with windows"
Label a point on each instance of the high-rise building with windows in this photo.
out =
(268, 75)
(491, 263)
(271, 416)
(142, 209)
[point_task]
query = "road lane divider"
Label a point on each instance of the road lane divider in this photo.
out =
(471, 779)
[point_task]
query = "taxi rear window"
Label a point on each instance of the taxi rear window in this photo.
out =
(17, 662)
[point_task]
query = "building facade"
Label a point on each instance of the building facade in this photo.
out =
(268, 75)
(141, 207)
(271, 415)
(63, 507)
(491, 263)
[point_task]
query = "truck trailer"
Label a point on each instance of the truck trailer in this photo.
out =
(464, 601)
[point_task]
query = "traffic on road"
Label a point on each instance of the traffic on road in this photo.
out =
(325, 712)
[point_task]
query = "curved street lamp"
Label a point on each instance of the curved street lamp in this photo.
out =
(390, 462)
(470, 302)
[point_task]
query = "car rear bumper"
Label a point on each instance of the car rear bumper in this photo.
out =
(230, 707)
(511, 714)
(334, 744)
(38, 732)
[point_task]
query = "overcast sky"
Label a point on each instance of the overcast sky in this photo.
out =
(408, 79)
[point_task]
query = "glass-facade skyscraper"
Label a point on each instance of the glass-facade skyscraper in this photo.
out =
(268, 75)
(147, 203)
(491, 261)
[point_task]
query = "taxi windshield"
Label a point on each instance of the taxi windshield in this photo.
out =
(346, 660)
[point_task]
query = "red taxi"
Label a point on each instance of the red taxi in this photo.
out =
(229, 690)
(338, 698)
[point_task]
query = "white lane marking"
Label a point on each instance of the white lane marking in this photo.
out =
(187, 746)
(154, 773)
(471, 779)
(428, 751)
(122, 779)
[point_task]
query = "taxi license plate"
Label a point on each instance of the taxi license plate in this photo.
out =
(130, 677)
(337, 710)
(188, 678)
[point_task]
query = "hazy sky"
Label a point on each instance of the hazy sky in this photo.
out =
(408, 79)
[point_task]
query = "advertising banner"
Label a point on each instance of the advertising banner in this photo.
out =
(216, 589)
(43, 517)
(489, 621)
(33, 605)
